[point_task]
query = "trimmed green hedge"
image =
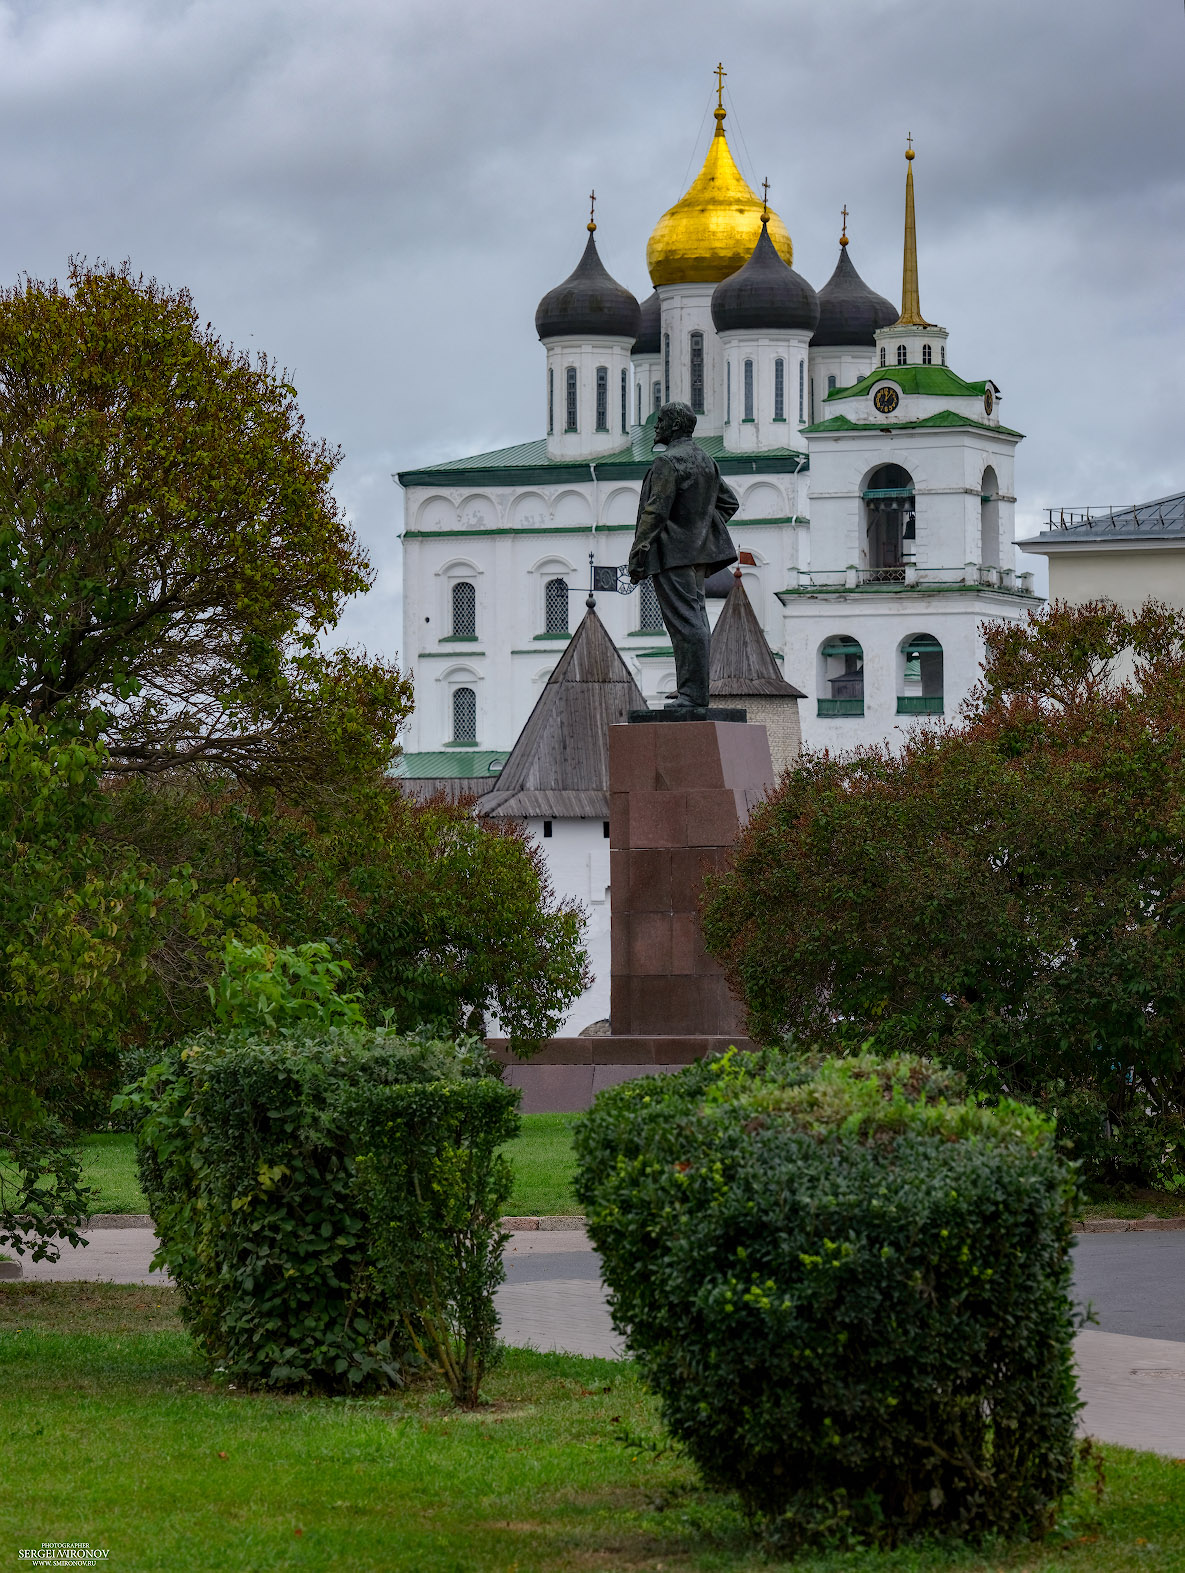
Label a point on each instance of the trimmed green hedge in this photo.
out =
(290, 1258)
(848, 1287)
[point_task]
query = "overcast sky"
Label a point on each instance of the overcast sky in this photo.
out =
(378, 192)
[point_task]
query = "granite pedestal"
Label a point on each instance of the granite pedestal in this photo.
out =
(678, 795)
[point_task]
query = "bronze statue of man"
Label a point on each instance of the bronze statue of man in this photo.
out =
(681, 537)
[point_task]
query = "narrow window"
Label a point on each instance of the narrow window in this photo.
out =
(602, 398)
(801, 388)
(882, 354)
(570, 399)
(605, 828)
(550, 400)
(464, 610)
(666, 368)
(697, 372)
(555, 606)
(727, 392)
(657, 391)
(812, 401)
(942, 353)
(649, 612)
(831, 380)
(464, 715)
(901, 361)
(927, 355)
(638, 407)
(625, 400)
(779, 389)
(748, 390)
(547, 829)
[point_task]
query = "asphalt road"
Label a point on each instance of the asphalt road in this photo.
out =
(1135, 1282)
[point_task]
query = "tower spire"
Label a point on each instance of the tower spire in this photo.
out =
(911, 310)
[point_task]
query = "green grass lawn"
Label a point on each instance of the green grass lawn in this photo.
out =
(112, 1435)
(542, 1158)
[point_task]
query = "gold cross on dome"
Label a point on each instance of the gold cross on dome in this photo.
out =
(721, 73)
(592, 210)
(765, 198)
(843, 239)
(909, 144)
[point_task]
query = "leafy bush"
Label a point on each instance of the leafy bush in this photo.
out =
(847, 1286)
(435, 1183)
(1004, 895)
(262, 988)
(247, 1151)
(43, 1195)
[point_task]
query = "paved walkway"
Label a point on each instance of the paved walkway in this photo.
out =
(1131, 1368)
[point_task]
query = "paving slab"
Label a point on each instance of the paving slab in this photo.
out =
(1134, 1390)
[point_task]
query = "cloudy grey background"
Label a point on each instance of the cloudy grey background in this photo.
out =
(378, 193)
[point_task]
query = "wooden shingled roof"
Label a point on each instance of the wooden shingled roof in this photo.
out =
(741, 661)
(559, 767)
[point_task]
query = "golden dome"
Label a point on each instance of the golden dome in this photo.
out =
(710, 233)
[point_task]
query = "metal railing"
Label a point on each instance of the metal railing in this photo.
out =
(919, 704)
(841, 707)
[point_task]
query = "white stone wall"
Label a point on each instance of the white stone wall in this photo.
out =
(586, 441)
(763, 430)
(577, 857)
(846, 364)
(687, 309)
(780, 718)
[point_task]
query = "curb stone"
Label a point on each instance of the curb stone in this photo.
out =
(512, 1225)
(1126, 1225)
(11, 1270)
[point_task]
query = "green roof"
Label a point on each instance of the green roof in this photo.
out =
(458, 762)
(838, 423)
(527, 464)
(937, 381)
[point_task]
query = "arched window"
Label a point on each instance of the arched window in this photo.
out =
(942, 353)
(696, 349)
(927, 355)
(657, 391)
(748, 390)
(920, 690)
(464, 610)
(555, 606)
(801, 390)
(841, 676)
(882, 354)
(891, 522)
(602, 398)
(639, 408)
(779, 389)
(989, 520)
(831, 379)
(550, 400)
(464, 715)
(727, 392)
(666, 368)
(625, 400)
(570, 411)
(902, 358)
(649, 612)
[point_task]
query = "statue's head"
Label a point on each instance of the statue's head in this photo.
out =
(672, 421)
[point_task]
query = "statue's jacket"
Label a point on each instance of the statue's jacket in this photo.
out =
(683, 513)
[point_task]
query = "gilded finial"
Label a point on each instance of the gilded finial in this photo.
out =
(765, 200)
(592, 211)
(909, 153)
(720, 112)
(843, 239)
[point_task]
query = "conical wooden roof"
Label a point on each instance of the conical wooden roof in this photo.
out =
(741, 661)
(559, 767)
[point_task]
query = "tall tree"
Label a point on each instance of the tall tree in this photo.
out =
(1008, 894)
(170, 548)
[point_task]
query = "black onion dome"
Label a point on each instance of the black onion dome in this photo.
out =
(765, 293)
(850, 312)
(649, 338)
(588, 304)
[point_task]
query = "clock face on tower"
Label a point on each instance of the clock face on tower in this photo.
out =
(987, 401)
(886, 400)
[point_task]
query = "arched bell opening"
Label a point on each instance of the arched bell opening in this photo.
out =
(920, 676)
(840, 676)
(890, 523)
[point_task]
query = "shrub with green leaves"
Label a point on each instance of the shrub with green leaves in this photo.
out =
(247, 1150)
(847, 1284)
(435, 1182)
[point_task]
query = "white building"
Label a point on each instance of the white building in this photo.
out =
(1128, 555)
(876, 488)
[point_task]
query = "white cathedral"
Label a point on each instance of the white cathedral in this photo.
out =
(876, 489)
